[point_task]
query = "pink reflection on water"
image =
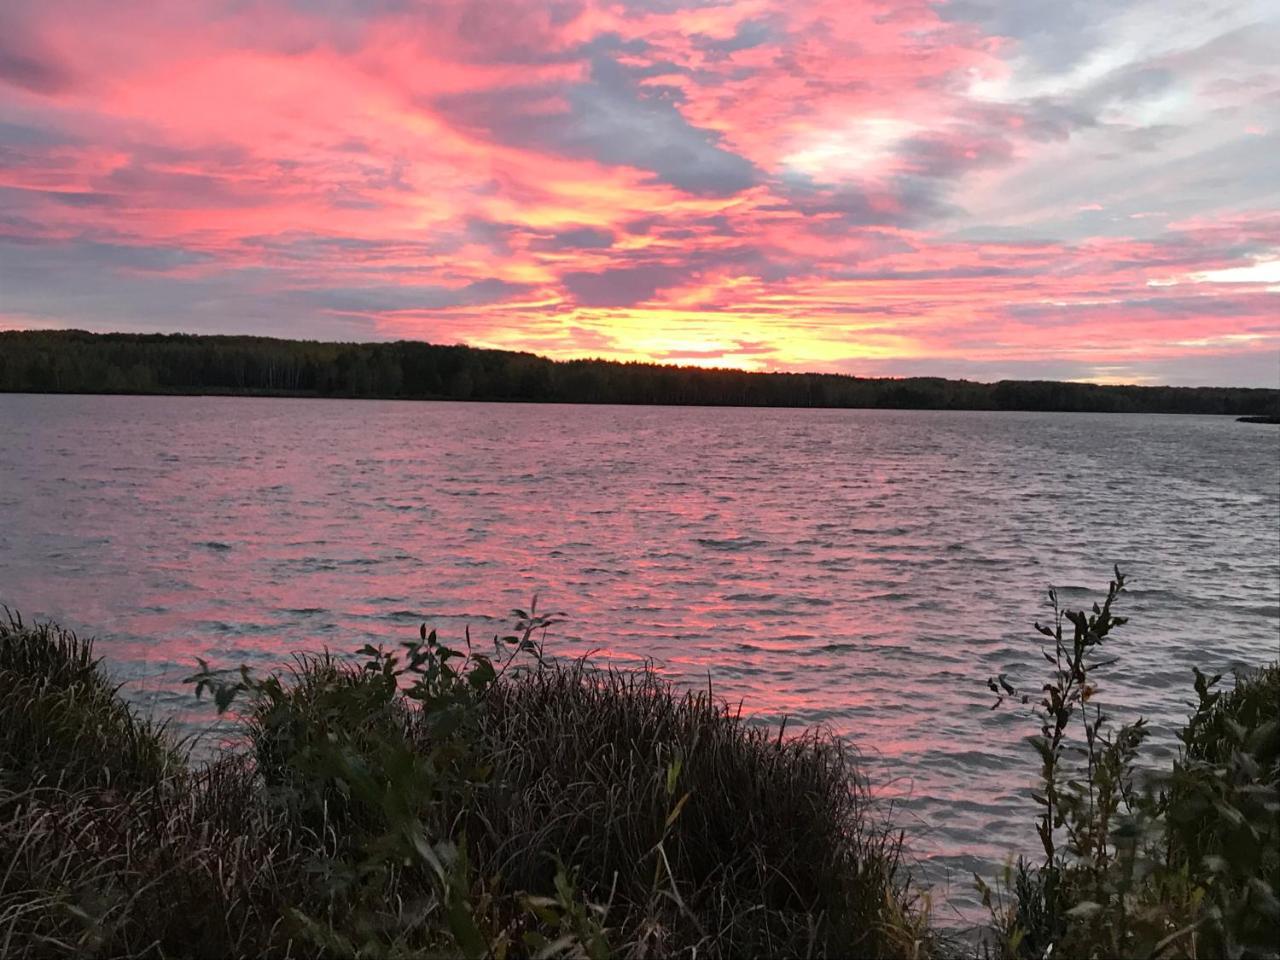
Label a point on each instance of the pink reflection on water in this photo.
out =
(865, 570)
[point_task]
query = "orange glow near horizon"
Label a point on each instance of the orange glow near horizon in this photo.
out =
(839, 185)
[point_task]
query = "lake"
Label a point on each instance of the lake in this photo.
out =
(862, 569)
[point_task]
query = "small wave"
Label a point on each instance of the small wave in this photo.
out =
(214, 545)
(1269, 612)
(730, 543)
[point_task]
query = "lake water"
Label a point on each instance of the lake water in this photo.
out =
(862, 569)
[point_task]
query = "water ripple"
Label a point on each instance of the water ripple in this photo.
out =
(862, 569)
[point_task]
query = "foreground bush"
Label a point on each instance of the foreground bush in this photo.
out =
(1176, 863)
(429, 802)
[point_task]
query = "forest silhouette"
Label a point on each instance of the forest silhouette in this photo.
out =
(74, 361)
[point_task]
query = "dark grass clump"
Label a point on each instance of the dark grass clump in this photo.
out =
(196, 867)
(110, 844)
(63, 723)
(706, 833)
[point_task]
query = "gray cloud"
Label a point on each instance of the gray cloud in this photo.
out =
(1055, 35)
(1249, 369)
(612, 120)
(620, 286)
(114, 286)
(30, 69)
(951, 154)
(577, 238)
(749, 34)
(939, 273)
(1191, 306)
(379, 298)
(24, 135)
(1047, 119)
(904, 201)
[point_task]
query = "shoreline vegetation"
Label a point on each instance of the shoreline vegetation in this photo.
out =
(442, 801)
(74, 361)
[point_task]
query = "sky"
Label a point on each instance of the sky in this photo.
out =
(1083, 189)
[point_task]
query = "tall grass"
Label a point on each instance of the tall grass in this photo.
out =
(62, 721)
(755, 844)
(110, 843)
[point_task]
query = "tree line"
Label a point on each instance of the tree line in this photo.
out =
(74, 361)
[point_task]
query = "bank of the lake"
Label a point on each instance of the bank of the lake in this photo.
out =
(443, 801)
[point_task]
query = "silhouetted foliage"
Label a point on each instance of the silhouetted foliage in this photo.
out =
(73, 361)
(1180, 862)
(431, 801)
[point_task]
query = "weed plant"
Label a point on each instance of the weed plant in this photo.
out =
(1154, 863)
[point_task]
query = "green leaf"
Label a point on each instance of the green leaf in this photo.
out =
(463, 927)
(482, 674)
(223, 695)
(675, 812)
(1230, 813)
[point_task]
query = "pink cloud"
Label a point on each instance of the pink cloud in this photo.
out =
(827, 182)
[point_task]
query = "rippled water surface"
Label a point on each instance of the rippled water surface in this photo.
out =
(863, 569)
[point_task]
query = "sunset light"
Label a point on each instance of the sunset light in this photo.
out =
(690, 479)
(834, 185)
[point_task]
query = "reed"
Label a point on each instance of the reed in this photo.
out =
(772, 848)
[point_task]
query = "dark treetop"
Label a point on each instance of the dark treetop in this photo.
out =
(73, 361)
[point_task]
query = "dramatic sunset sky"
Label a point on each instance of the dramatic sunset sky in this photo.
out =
(1084, 189)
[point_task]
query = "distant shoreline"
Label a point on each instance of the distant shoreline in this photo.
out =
(76, 362)
(510, 401)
